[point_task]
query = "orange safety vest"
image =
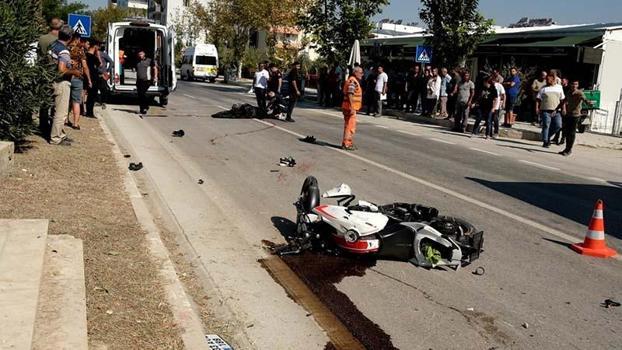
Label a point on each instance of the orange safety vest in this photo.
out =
(357, 97)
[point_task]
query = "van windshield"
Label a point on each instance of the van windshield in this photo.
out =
(206, 60)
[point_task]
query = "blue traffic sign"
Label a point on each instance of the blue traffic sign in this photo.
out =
(424, 54)
(80, 24)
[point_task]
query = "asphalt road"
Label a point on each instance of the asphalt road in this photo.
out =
(536, 292)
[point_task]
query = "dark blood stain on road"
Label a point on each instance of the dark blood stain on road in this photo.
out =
(321, 273)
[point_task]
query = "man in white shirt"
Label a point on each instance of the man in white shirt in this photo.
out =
(549, 104)
(260, 84)
(499, 106)
(433, 92)
(380, 89)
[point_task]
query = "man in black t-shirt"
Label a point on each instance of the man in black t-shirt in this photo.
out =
(487, 102)
(146, 75)
(295, 89)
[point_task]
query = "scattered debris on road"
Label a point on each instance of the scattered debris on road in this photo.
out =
(309, 139)
(525, 325)
(238, 111)
(479, 271)
(179, 133)
(274, 170)
(287, 161)
(200, 182)
(135, 167)
(127, 155)
(609, 303)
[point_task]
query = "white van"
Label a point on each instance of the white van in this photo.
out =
(200, 62)
(125, 40)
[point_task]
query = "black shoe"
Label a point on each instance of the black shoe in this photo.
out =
(289, 120)
(565, 153)
(546, 145)
(135, 167)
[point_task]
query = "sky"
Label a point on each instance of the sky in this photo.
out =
(505, 12)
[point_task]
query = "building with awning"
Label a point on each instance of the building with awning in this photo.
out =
(591, 53)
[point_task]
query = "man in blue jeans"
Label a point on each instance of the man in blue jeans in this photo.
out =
(550, 106)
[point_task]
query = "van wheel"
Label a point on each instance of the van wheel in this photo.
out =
(212, 80)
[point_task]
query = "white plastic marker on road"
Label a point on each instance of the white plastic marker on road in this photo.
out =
(538, 165)
(447, 191)
(443, 141)
(484, 151)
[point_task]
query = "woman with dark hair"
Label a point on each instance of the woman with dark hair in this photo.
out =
(78, 61)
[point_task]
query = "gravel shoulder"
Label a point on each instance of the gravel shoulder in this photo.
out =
(80, 190)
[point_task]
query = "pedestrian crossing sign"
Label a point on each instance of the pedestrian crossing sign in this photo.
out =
(81, 24)
(424, 54)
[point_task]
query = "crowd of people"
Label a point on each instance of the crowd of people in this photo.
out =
(269, 84)
(438, 92)
(82, 71)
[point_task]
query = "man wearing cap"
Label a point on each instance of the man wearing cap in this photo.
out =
(352, 102)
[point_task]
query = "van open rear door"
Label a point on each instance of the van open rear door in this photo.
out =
(111, 49)
(169, 61)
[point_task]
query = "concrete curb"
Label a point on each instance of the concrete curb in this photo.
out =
(6, 156)
(61, 315)
(193, 334)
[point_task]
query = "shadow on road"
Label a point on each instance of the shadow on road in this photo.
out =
(572, 201)
(285, 226)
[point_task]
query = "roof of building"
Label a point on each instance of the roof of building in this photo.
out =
(554, 35)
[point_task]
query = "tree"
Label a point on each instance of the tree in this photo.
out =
(336, 24)
(230, 23)
(103, 16)
(24, 85)
(60, 9)
(457, 29)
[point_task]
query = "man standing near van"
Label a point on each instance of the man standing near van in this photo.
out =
(146, 74)
(260, 84)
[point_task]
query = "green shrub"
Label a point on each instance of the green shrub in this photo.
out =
(24, 87)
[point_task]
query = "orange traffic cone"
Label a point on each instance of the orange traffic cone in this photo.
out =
(594, 244)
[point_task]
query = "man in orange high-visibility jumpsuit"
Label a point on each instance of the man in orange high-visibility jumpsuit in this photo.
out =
(352, 102)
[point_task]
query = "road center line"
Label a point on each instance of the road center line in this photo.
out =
(381, 126)
(443, 141)
(539, 165)
(192, 97)
(484, 151)
(447, 191)
(407, 132)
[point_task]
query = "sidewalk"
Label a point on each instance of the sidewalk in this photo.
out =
(80, 190)
(520, 130)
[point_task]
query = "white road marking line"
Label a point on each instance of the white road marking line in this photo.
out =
(443, 141)
(407, 133)
(221, 107)
(192, 97)
(597, 179)
(381, 126)
(484, 151)
(447, 191)
(539, 165)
